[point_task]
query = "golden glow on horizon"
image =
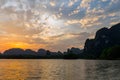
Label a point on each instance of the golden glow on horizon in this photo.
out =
(18, 45)
(13, 45)
(21, 45)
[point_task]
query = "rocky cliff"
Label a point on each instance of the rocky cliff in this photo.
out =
(104, 38)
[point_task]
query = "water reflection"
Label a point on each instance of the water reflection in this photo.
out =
(11, 70)
(59, 70)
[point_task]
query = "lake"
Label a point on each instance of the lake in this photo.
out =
(53, 69)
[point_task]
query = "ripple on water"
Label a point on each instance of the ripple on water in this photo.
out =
(59, 70)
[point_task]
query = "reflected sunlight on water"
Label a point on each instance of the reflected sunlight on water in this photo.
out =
(59, 70)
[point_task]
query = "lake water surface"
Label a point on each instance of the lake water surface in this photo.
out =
(52, 69)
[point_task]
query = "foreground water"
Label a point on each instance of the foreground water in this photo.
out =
(59, 70)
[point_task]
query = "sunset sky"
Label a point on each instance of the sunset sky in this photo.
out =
(54, 24)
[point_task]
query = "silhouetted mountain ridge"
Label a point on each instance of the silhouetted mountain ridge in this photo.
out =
(105, 45)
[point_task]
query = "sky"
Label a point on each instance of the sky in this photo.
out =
(54, 24)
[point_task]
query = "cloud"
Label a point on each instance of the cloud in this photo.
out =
(52, 3)
(85, 3)
(85, 22)
(72, 2)
(71, 39)
(66, 22)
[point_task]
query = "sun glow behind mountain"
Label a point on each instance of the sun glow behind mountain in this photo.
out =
(52, 24)
(18, 45)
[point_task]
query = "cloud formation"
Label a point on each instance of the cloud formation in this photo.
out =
(53, 24)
